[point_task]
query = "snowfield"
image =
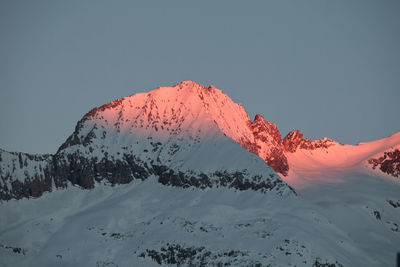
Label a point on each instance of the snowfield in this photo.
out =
(124, 224)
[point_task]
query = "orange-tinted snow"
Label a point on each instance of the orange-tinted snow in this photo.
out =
(322, 164)
(190, 111)
(186, 110)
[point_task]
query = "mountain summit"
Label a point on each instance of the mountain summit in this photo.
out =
(185, 134)
(149, 133)
(181, 175)
(190, 111)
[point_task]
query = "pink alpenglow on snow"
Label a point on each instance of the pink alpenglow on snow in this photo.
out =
(190, 111)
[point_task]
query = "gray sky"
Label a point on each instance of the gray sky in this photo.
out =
(328, 68)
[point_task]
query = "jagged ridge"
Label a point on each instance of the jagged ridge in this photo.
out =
(133, 137)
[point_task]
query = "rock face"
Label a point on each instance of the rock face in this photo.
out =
(294, 141)
(24, 175)
(268, 143)
(388, 163)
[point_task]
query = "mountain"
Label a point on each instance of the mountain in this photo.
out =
(181, 175)
(178, 133)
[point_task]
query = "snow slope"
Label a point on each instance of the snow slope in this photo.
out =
(308, 164)
(136, 224)
(341, 184)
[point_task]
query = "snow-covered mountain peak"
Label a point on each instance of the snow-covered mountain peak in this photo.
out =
(186, 128)
(195, 113)
(187, 110)
(187, 85)
(185, 191)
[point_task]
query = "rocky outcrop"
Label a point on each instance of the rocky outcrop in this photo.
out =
(268, 144)
(175, 254)
(388, 163)
(24, 175)
(236, 180)
(39, 174)
(294, 140)
(75, 169)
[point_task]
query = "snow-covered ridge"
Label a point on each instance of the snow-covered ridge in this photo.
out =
(190, 111)
(337, 155)
(186, 110)
(179, 128)
(181, 133)
(24, 175)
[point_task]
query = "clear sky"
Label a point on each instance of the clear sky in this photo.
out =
(328, 68)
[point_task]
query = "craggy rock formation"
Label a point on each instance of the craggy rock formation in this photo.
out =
(268, 143)
(236, 180)
(181, 254)
(62, 169)
(388, 163)
(24, 175)
(197, 256)
(294, 140)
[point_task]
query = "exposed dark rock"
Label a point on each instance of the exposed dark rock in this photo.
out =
(294, 140)
(197, 256)
(62, 168)
(16, 250)
(377, 215)
(389, 163)
(28, 188)
(318, 263)
(394, 203)
(269, 144)
(236, 180)
(32, 183)
(394, 227)
(85, 171)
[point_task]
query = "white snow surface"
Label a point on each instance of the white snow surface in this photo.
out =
(114, 225)
(340, 182)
